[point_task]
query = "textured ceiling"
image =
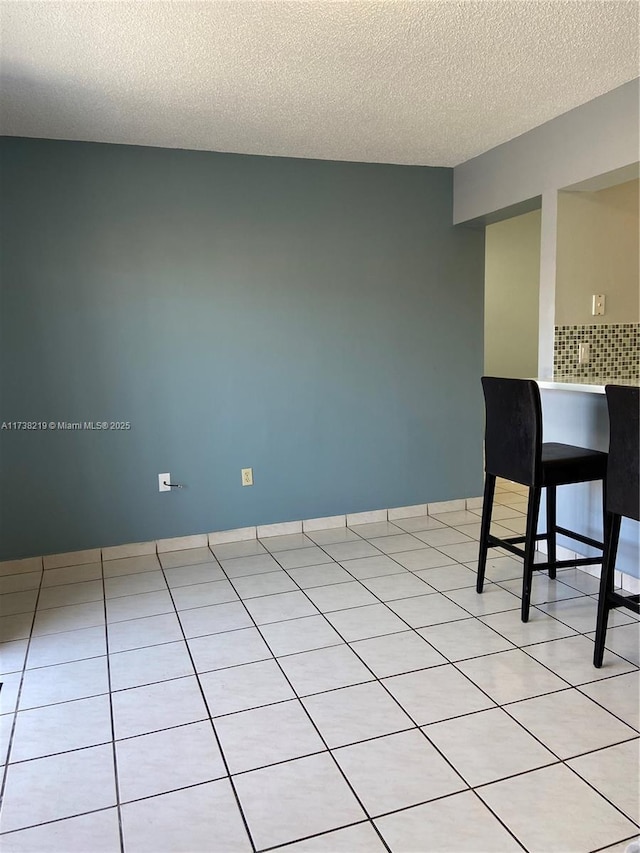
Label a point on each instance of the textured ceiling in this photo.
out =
(423, 82)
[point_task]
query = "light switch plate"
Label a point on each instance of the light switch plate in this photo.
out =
(597, 304)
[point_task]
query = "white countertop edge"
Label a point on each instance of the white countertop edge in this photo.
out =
(551, 385)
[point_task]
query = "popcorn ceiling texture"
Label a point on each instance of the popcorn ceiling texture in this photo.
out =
(614, 351)
(425, 82)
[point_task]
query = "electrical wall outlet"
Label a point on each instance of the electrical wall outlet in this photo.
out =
(162, 480)
(247, 476)
(583, 353)
(597, 304)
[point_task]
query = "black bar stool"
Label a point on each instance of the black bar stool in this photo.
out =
(622, 499)
(514, 450)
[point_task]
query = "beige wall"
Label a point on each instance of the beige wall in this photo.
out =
(597, 252)
(512, 275)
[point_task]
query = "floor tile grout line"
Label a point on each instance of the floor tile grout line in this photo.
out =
(319, 835)
(114, 752)
(310, 718)
(571, 686)
(500, 820)
(5, 769)
(608, 846)
(213, 728)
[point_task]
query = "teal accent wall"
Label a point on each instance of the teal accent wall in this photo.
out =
(318, 321)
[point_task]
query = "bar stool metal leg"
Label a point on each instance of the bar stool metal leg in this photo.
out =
(533, 510)
(612, 535)
(487, 509)
(551, 529)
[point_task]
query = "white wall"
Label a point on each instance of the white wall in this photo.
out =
(598, 253)
(512, 275)
(592, 139)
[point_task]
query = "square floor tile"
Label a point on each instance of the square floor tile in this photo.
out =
(12, 603)
(520, 801)
(69, 618)
(214, 619)
(569, 723)
(397, 771)
(359, 838)
(544, 589)
(357, 713)
(15, 627)
(466, 639)
(61, 728)
(239, 688)
(464, 552)
(397, 544)
(451, 825)
(203, 594)
(324, 669)
(185, 557)
(238, 567)
(300, 557)
(167, 760)
(372, 567)
(230, 648)
(375, 529)
(351, 550)
(540, 627)
(138, 606)
(200, 573)
(130, 565)
(443, 536)
(97, 831)
(267, 735)
(340, 596)
(141, 710)
(488, 746)
(620, 695)
(613, 772)
(579, 580)
(502, 568)
(393, 654)
(148, 665)
(309, 577)
(423, 558)
(449, 577)
(232, 550)
(186, 820)
(431, 609)
(296, 799)
(430, 695)
(373, 620)
(58, 786)
(391, 587)
(269, 583)
(133, 584)
(286, 542)
(19, 583)
(63, 682)
(300, 635)
(66, 647)
(13, 656)
(70, 593)
(454, 518)
(572, 659)
(581, 613)
(492, 600)
(510, 676)
(72, 574)
(623, 641)
(278, 607)
(332, 535)
(418, 523)
(148, 631)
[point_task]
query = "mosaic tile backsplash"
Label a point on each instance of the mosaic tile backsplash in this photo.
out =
(614, 351)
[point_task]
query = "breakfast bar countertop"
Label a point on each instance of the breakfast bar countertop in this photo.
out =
(588, 386)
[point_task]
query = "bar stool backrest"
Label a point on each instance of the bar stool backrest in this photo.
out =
(623, 474)
(513, 431)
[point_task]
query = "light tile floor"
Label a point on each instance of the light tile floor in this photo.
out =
(343, 690)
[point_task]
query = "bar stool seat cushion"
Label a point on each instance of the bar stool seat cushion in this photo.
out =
(563, 464)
